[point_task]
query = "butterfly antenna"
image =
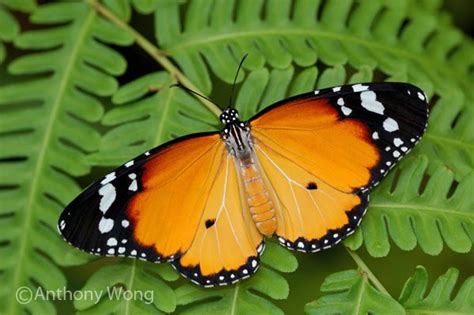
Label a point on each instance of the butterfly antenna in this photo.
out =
(193, 92)
(235, 79)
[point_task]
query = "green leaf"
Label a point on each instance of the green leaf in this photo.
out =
(241, 298)
(405, 40)
(19, 5)
(441, 299)
(145, 6)
(130, 287)
(142, 121)
(449, 139)
(411, 207)
(366, 34)
(294, 47)
(9, 28)
(349, 292)
(45, 118)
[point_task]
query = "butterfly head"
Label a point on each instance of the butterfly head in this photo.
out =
(229, 116)
(236, 133)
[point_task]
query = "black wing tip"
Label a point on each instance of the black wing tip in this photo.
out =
(223, 277)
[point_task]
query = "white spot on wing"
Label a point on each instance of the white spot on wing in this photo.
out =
(108, 196)
(359, 87)
(390, 125)
(370, 103)
(105, 225)
(421, 96)
(108, 178)
(375, 135)
(397, 142)
(125, 223)
(129, 163)
(112, 241)
(336, 89)
(133, 186)
(346, 110)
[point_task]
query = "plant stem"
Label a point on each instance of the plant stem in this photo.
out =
(360, 263)
(154, 52)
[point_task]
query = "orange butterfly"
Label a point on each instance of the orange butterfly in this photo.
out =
(301, 170)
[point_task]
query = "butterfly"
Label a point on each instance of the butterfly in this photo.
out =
(300, 170)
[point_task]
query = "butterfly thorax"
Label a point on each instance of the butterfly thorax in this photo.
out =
(237, 137)
(236, 134)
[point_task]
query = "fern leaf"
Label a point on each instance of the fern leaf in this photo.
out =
(449, 139)
(142, 121)
(441, 299)
(129, 287)
(43, 123)
(373, 30)
(145, 6)
(241, 298)
(406, 41)
(349, 292)
(412, 208)
(25, 6)
(9, 28)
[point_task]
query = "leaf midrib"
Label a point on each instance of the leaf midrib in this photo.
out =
(234, 299)
(130, 286)
(357, 307)
(290, 30)
(158, 139)
(435, 312)
(406, 206)
(451, 141)
(40, 165)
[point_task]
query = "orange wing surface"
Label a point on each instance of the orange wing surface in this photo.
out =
(298, 146)
(227, 245)
(321, 152)
(180, 203)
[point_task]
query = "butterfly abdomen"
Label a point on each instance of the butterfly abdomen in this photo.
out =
(260, 205)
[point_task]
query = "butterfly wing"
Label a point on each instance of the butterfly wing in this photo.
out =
(178, 202)
(323, 151)
(227, 245)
